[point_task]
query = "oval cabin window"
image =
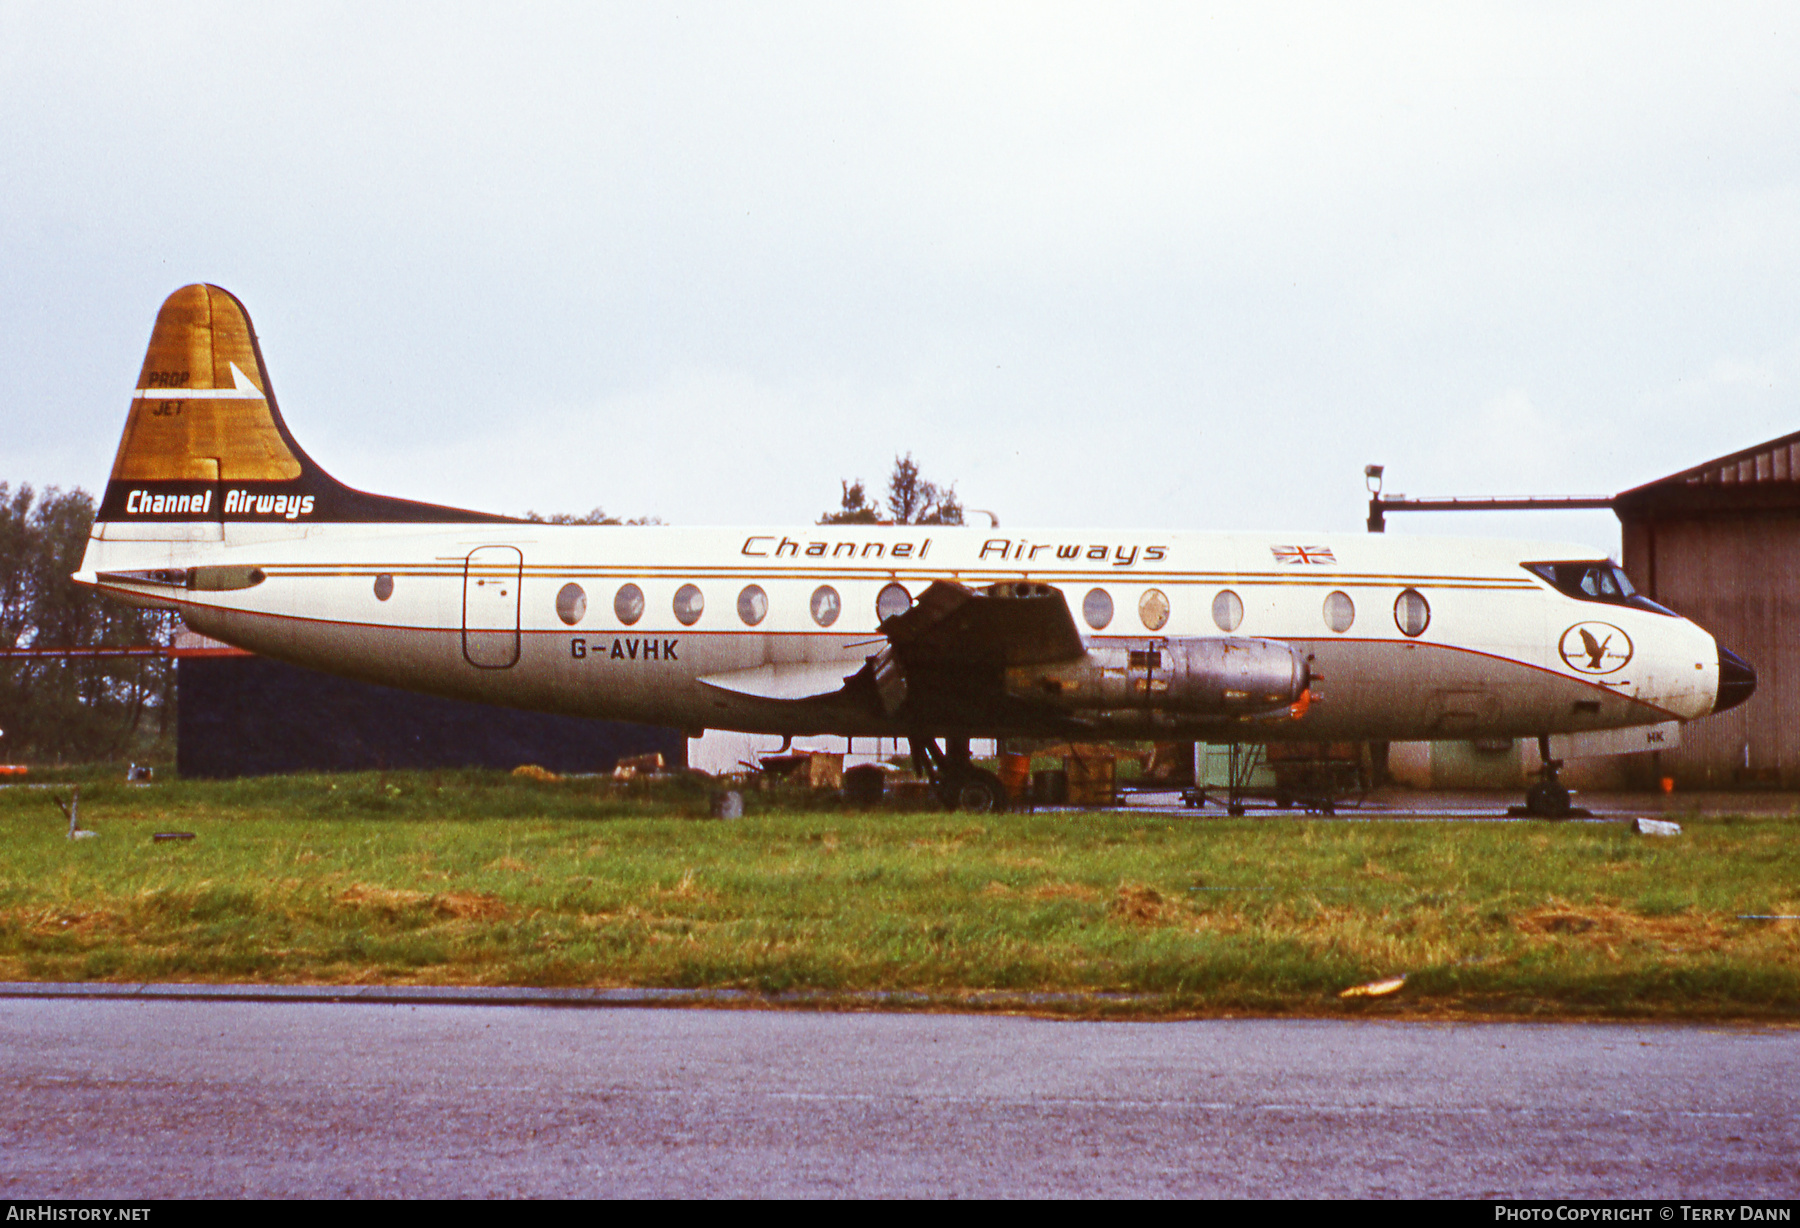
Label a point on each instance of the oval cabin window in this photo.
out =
(384, 586)
(753, 605)
(628, 604)
(1097, 608)
(1153, 609)
(826, 605)
(893, 601)
(1412, 614)
(1228, 611)
(571, 604)
(689, 603)
(1340, 611)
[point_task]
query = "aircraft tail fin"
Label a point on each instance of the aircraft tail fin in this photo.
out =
(205, 440)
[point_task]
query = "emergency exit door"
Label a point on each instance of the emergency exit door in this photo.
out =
(490, 628)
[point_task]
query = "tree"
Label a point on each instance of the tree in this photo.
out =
(597, 516)
(911, 500)
(65, 708)
(856, 509)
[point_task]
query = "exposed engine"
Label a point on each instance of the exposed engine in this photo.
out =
(1214, 677)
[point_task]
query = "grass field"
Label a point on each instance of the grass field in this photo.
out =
(470, 878)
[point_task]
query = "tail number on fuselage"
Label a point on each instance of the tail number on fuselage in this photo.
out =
(624, 649)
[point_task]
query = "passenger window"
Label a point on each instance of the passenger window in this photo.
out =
(826, 605)
(893, 601)
(628, 604)
(1228, 611)
(1340, 611)
(1097, 608)
(1153, 609)
(753, 605)
(1412, 614)
(571, 604)
(384, 586)
(688, 605)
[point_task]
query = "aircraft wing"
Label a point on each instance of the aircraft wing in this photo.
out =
(946, 656)
(792, 680)
(949, 647)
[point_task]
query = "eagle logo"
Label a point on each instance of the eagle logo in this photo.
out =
(1595, 648)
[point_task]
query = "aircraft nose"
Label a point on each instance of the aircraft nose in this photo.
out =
(1737, 680)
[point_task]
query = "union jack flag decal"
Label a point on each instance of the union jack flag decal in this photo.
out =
(1295, 556)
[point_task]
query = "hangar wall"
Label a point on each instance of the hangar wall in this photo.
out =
(242, 715)
(1720, 543)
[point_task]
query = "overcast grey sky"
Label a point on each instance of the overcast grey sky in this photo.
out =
(1110, 265)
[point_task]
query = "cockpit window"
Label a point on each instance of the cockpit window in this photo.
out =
(1601, 581)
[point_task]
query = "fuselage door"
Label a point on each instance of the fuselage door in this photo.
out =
(491, 606)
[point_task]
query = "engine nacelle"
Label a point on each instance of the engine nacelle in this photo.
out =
(1194, 677)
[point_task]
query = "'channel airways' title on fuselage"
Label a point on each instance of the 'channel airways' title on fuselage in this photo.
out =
(934, 634)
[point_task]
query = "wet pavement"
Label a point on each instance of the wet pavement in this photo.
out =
(1493, 804)
(130, 1099)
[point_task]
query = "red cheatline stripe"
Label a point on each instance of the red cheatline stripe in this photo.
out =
(140, 650)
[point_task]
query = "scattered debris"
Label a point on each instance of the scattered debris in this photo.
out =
(531, 771)
(72, 808)
(172, 835)
(1769, 916)
(865, 783)
(728, 805)
(633, 766)
(1655, 827)
(139, 773)
(1376, 989)
(816, 769)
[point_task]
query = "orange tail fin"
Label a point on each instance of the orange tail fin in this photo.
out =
(205, 440)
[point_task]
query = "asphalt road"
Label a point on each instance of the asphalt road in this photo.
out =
(170, 1099)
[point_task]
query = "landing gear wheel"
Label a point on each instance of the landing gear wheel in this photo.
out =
(976, 792)
(1547, 800)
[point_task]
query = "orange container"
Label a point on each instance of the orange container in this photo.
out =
(1015, 774)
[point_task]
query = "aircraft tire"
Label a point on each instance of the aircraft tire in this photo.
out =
(1547, 800)
(978, 792)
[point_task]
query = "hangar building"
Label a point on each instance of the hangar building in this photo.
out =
(1720, 543)
(244, 715)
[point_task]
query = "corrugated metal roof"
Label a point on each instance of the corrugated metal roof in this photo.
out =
(1776, 462)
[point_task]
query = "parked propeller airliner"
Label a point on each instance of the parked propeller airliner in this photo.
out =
(931, 633)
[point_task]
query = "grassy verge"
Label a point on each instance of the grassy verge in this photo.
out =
(466, 878)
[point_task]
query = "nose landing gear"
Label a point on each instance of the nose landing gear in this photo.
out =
(1548, 798)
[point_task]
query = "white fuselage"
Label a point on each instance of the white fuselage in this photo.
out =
(472, 610)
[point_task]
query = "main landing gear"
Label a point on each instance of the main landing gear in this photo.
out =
(1548, 798)
(960, 785)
